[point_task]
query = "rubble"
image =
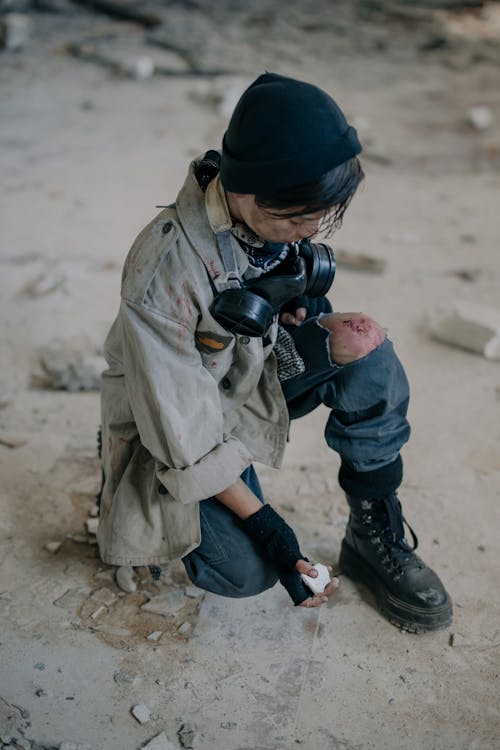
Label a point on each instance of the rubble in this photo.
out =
(185, 628)
(15, 31)
(92, 525)
(187, 735)
(122, 677)
(160, 742)
(155, 635)
(70, 599)
(66, 368)
(166, 604)
(141, 713)
(53, 547)
(481, 118)
(193, 592)
(475, 328)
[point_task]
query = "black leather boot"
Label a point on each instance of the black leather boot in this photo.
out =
(374, 552)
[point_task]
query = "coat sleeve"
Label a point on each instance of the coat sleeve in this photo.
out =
(176, 405)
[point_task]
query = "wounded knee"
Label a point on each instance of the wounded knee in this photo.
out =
(352, 336)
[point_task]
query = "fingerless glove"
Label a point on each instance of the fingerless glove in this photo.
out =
(278, 541)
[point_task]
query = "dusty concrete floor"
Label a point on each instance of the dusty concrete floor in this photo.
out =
(86, 157)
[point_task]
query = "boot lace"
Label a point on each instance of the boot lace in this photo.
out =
(387, 532)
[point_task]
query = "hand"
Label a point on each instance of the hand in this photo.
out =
(294, 320)
(316, 600)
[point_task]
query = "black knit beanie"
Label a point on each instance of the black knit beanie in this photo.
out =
(283, 133)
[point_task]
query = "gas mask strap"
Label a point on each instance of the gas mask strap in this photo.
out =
(229, 259)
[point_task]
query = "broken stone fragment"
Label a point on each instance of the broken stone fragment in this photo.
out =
(70, 599)
(15, 31)
(92, 525)
(185, 628)
(317, 585)
(53, 547)
(155, 635)
(103, 596)
(122, 677)
(141, 713)
(468, 326)
(65, 367)
(481, 118)
(187, 735)
(193, 592)
(167, 604)
(160, 742)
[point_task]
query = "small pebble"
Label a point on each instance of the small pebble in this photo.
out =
(193, 592)
(185, 628)
(141, 713)
(92, 525)
(155, 635)
(480, 118)
(53, 546)
(98, 612)
(122, 677)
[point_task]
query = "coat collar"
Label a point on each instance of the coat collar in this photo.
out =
(202, 216)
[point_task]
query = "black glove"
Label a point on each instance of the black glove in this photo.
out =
(278, 541)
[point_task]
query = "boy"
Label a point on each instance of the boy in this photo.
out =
(216, 346)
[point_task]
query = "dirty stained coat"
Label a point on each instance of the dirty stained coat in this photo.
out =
(186, 405)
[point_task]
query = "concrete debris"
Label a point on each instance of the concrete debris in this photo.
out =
(360, 261)
(15, 31)
(155, 635)
(92, 525)
(53, 546)
(12, 442)
(193, 592)
(64, 368)
(481, 118)
(98, 612)
(160, 742)
(70, 599)
(104, 596)
(94, 511)
(187, 735)
(141, 713)
(74, 746)
(122, 677)
(125, 578)
(167, 604)
(141, 68)
(78, 538)
(472, 327)
(185, 628)
(43, 284)
(317, 585)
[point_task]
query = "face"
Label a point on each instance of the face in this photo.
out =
(270, 224)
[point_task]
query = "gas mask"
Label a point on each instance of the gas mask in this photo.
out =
(248, 308)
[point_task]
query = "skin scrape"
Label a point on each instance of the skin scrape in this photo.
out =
(317, 585)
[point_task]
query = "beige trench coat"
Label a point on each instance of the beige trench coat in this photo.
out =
(186, 405)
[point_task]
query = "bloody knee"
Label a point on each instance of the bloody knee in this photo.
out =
(353, 335)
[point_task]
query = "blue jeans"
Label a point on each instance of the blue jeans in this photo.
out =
(367, 426)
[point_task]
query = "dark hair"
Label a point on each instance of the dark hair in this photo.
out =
(332, 194)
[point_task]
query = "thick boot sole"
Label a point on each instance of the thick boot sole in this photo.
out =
(400, 613)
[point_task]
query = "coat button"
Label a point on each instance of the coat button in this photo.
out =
(166, 227)
(225, 383)
(162, 489)
(245, 339)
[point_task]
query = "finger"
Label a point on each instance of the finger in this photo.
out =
(302, 566)
(331, 588)
(300, 314)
